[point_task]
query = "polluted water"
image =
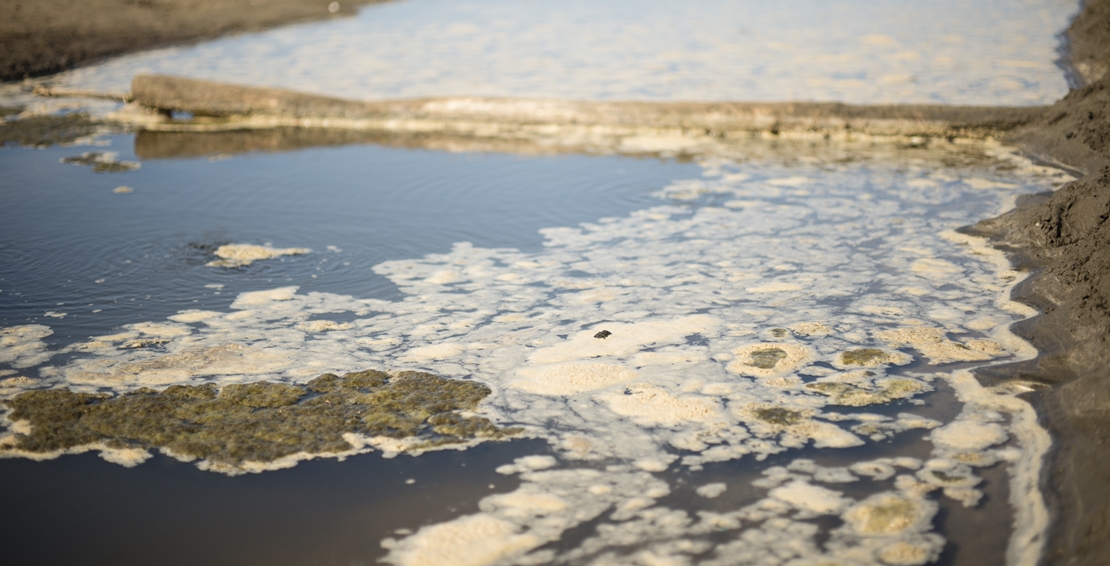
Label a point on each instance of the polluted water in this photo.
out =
(748, 362)
(421, 355)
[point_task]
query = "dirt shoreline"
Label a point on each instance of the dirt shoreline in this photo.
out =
(47, 36)
(1063, 237)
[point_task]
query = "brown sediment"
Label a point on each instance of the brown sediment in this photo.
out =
(1064, 238)
(46, 36)
(751, 145)
(220, 106)
(185, 145)
(192, 144)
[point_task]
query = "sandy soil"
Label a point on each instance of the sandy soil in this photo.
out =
(39, 37)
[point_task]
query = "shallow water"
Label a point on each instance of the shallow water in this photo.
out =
(72, 245)
(758, 358)
(989, 52)
(168, 512)
(672, 438)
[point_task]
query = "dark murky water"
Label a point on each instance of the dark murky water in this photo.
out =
(64, 229)
(83, 510)
(825, 244)
(356, 206)
(84, 258)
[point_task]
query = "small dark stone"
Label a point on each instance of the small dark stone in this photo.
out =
(603, 334)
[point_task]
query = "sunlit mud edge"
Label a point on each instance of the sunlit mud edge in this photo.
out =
(873, 130)
(467, 136)
(1030, 513)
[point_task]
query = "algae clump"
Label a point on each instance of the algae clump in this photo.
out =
(863, 357)
(853, 395)
(767, 359)
(944, 477)
(886, 515)
(261, 421)
(779, 416)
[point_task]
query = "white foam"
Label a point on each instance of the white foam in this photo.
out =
(241, 255)
(810, 497)
(476, 540)
(968, 435)
(711, 490)
(22, 346)
(681, 366)
(571, 378)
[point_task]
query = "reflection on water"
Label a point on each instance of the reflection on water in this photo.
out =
(168, 512)
(68, 239)
(989, 52)
(739, 361)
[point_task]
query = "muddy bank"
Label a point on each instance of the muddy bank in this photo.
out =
(1065, 238)
(39, 38)
(220, 106)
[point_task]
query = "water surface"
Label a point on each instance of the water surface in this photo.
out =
(724, 416)
(757, 358)
(990, 52)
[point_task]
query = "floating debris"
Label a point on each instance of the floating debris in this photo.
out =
(711, 490)
(102, 162)
(242, 255)
(22, 346)
(769, 360)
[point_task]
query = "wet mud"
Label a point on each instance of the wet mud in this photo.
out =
(221, 106)
(1064, 238)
